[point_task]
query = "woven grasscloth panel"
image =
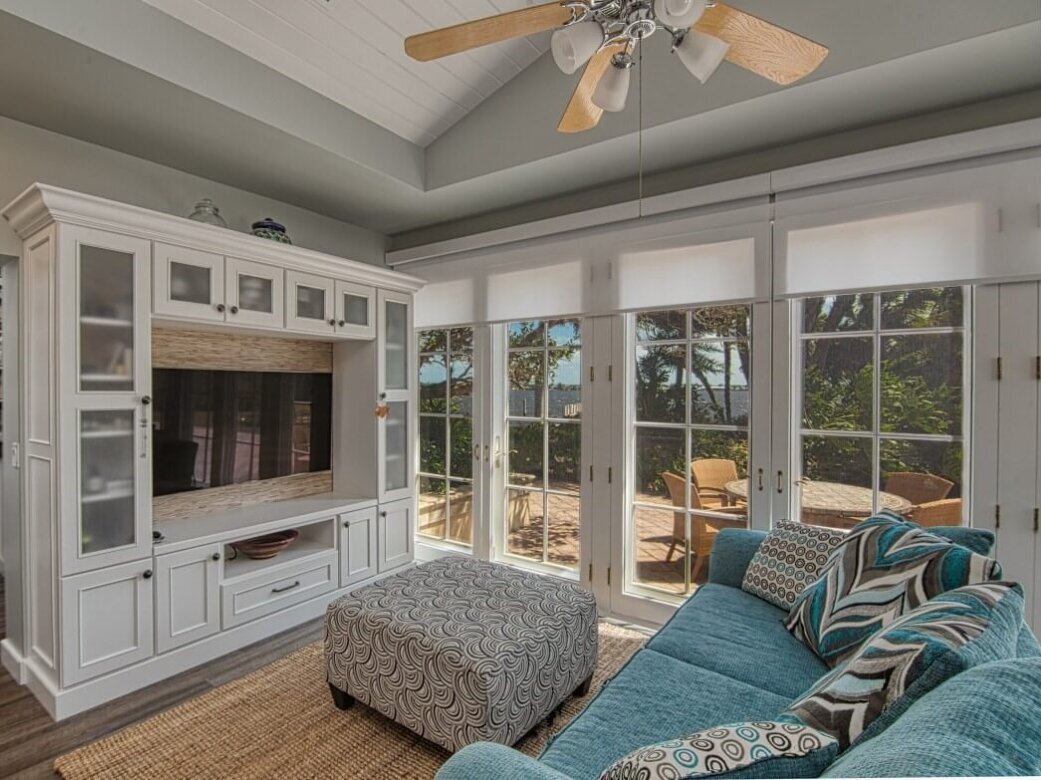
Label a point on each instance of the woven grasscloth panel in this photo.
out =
(175, 348)
(198, 502)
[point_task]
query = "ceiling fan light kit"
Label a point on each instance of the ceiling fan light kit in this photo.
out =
(601, 34)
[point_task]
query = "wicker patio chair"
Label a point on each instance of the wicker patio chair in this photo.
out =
(946, 511)
(710, 477)
(918, 488)
(703, 530)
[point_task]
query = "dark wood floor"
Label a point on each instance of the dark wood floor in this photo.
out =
(30, 740)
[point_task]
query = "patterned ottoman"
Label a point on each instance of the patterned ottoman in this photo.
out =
(461, 651)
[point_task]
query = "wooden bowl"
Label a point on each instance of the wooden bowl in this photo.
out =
(266, 546)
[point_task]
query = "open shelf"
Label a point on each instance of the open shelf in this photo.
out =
(106, 378)
(301, 548)
(106, 322)
(108, 495)
(118, 433)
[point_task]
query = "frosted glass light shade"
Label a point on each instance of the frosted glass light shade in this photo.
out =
(701, 54)
(611, 92)
(572, 46)
(679, 13)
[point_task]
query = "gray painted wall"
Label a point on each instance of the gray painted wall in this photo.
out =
(29, 154)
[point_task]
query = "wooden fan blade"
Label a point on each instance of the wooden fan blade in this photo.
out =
(492, 29)
(763, 48)
(581, 113)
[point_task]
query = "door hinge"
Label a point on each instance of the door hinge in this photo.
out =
(590, 572)
(608, 575)
(1037, 368)
(997, 516)
(998, 364)
(1037, 518)
(592, 373)
(590, 473)
(610, 474)
(610, 373)
(16, 450)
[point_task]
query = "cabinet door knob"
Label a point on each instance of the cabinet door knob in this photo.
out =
(341, 323)
(146, 400)
(234, 310)
(216, 556)
(346, 523)
(220, 307)
(332, 321)
(147, 574)
(383, 513)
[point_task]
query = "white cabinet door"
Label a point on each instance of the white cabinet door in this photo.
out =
(187, 596)
(355, 310)
(310, 303)
(106, 620)
(396, 529)
(395, 369)
(255, 293)
(358, 546)
(188, 283)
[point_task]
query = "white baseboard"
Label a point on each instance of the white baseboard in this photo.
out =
(13, 661)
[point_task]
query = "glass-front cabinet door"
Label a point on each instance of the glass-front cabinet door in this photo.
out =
(310, 303)
(106, 482)
(355, 310)
(396, 468)
(255, 293)
(188, 283)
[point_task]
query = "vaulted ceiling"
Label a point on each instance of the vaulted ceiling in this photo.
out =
(313, 102)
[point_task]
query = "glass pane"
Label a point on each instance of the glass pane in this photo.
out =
(461, 512)
(531, 333)
(432, 445)
(565, 456)
(433, 505)
(934, 307)
(659, 545)
(106, 479)
(661, 326)
(396, 435)
(833, 313)
(527, 374)
(461, 339)
(837, 479)
(462, 384)
(565, 383)
(926, 474)
(461, 462)
(563, 333)
(256, 293)
(660, 389)
(432, 383)
(562, 547)
(525, 454)
(720, 322)
(355, 309)
(660, 452)
(310, 302)
(524, 516)
(719, 463)
(720, 378)
(432, 341)
(837, 384)
(921, 383)
(190, 283)
(106, 320)
(396, 346)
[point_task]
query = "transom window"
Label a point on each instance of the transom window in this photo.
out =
(446, 375)
(692, 399)
(543, 440)
(880, 403)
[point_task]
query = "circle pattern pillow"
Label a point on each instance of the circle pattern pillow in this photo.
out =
(790, 558)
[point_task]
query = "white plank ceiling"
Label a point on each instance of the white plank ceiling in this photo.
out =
(352, 52)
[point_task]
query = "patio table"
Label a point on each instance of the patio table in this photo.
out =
(833, 503)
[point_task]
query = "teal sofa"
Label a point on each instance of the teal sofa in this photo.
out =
(726, 657)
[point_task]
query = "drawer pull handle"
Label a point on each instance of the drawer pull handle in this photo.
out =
(287, 587)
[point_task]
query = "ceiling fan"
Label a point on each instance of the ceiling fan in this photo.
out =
(604, 33)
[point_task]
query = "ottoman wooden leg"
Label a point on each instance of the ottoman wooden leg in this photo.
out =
(583, 689)
(341, 699)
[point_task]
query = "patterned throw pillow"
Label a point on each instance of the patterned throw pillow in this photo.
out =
(790, 558)
(885, 567)
(761, 749)
(960, 629)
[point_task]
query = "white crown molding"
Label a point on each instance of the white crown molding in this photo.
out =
(41, 204)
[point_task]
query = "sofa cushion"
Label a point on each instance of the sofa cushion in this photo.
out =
(654, 697)
(884, 568)
(739, 635)
(984, 722)
(1027, 645)
(790, 558)
(955, 631)
(758, 749)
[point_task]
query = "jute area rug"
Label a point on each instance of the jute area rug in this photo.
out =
(279, 722)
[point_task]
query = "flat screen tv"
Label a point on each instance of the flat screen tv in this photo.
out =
(214, 428)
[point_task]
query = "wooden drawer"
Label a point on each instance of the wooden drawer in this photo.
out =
(271, 590)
